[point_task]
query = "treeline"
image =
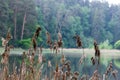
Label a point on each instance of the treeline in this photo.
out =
(91, 20)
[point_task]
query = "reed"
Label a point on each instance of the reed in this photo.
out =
(32, 68)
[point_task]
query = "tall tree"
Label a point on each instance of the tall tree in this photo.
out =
(115, 25)
(29, 11)
(14, 8)
(98, 21)
(4, 15)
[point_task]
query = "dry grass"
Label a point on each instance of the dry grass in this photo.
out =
(62, 71)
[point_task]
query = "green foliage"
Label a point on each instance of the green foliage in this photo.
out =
(25, 43)
(39, 41)
(88, 42)
(105, 45)
(117, 45)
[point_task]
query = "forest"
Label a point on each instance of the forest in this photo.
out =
(91, 20)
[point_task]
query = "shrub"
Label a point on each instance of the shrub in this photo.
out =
(105, 45)
(117, 44)
(25, 43)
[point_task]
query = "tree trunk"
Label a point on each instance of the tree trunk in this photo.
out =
(15, 22)
(23, 26)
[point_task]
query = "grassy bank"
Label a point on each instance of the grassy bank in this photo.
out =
(74, 52)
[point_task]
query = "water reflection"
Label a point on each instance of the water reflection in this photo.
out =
(85, 68)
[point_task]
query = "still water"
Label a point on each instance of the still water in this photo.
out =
(85, 68)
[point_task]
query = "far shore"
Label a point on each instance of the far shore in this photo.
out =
(73, 52)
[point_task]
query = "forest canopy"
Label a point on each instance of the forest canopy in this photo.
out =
(91, 20)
